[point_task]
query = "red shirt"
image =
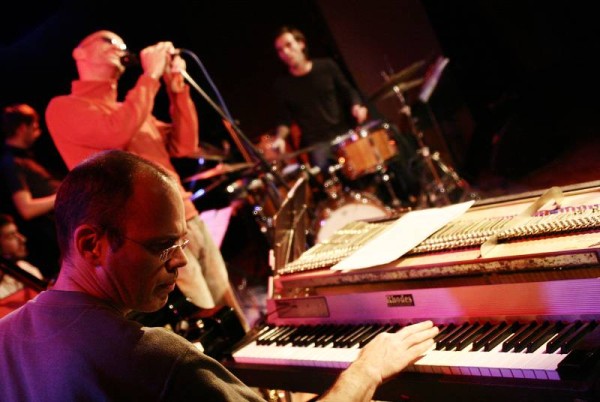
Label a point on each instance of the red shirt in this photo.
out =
(90, 119)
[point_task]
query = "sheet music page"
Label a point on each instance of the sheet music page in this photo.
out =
(402, 236)
(217, 222)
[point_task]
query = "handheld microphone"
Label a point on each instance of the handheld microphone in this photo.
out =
(131, 59)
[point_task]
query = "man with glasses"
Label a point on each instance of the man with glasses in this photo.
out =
(13, 250)
(74, 342)
(27, 188)
(90, 119)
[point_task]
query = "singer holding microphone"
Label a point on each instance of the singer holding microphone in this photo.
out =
(91, 119)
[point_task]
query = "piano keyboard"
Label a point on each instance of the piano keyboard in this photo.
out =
(535, 350)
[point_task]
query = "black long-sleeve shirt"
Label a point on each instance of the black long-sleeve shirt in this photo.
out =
(318, 102)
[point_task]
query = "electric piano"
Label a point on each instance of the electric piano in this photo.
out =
(513, 284)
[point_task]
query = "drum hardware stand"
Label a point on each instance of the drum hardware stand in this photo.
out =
(436, 193)
(385, 178)
(382, 171)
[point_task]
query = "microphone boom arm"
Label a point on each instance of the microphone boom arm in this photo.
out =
(237, 131)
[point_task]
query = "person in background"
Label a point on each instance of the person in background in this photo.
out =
(91, 119)
(28, 189)
(315, 95)
(316, 98)
(13, 250)
(74, 341)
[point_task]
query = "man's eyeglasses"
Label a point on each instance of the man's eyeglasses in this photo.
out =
(165, 254)
(115, 42)
(111, 41)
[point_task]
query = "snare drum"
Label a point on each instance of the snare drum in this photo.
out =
(363, 150)
(348, 207)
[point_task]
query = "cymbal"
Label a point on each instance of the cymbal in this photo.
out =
(400, 80)
(208, 152)
(401, 87)
(220, 169)
(205, 156)
(290, 155)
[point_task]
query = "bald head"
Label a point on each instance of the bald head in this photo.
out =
(98, 56)
(97, 191)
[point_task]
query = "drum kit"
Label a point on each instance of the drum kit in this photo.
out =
(363, 152)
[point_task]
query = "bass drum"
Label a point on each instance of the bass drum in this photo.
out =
(349, 207)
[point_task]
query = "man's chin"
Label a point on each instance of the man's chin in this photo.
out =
(154, 305)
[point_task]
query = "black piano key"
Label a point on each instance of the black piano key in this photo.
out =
(354, 339)
(468, 338)
(501, 336)
(267, 329)
(376, 331)
(518, 335)
(327, 336)
(301, 338)
(443, 341)
(312, 335)
(343, 340)
(268, 337)
(340, 330)
(555, 343)
(276, 338)
(487, 335)
(346, 338)
(544, 335)
(583, 357)
(301, 331)
(288, 336)
(278, 334)
(444, 331)
(356, 335)
(395, 328)
(451, 342)
(570, 341)
(524, 340)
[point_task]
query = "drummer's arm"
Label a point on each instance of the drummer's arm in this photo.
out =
(281, 133)
(360, 113)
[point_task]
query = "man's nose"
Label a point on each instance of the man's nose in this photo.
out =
(177, 260)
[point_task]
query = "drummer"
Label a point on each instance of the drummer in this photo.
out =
(314, 95)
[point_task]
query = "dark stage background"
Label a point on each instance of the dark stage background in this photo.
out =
(519, 89)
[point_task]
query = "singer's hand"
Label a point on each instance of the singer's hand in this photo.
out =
(172, 76)
(154, 58)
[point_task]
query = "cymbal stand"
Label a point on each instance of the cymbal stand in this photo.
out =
(385, 178)
(382, 172)
(436, 193)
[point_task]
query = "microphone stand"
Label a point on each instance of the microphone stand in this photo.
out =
(244, 144)
(271, 178)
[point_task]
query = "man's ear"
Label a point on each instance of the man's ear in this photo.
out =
(78, 53)
(20, 129)
(89, 244)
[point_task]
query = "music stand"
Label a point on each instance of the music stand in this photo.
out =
(291, 223)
